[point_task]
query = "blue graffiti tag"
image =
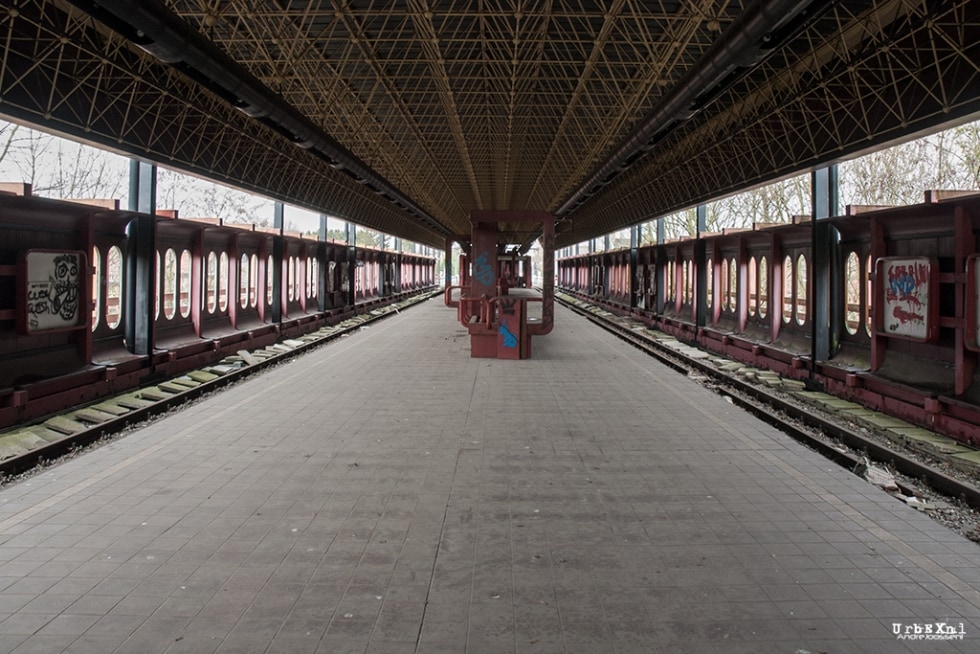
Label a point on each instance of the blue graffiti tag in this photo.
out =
(482, 270)
(509, 339)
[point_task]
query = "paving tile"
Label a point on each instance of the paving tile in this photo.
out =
(41, 644)
(587, 500)
(68, 624)
(26, 623)
(156, 634)
(92, 644)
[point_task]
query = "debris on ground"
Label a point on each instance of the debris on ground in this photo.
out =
(876, 475)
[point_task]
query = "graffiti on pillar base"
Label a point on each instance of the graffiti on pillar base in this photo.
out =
(510, 340)
(482, 270)
(508, 306)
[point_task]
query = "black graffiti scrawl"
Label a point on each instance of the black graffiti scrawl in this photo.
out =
(53, 282)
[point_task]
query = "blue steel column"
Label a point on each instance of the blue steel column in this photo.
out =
(351, 238)
(577, 279)
(396, 283)
(634, 256)
(278, 254)
(322, 273)
(825, 293)
(591, 289)
(140, 293)
(606, 267)
(382, 268)
(661, 266)
(701, 268)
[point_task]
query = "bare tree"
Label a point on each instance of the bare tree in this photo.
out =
(648, 233)
(718, 216)
(58, 168)
(898, 175)
(773, 203)
(198, 198)
(965, 156)
(27, 152)
(8, 134)
(84, 172)
(883, 177)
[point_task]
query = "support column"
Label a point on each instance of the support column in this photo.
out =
(396, 283)
(606, 270)
(279, 217)
(483, 280)
(278, 257)
(483, 284)
(966, 244)
(634, 256)
(825, 291)
(350, 230)
(322, 272)
(142, 187)
(140, 278)
(592, 281)
(701, 268)
(382, 268)
(661, 266)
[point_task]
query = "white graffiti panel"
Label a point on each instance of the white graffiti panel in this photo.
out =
(905, 291)
(53, 288)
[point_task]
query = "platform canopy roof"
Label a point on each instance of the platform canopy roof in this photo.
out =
(407, 115)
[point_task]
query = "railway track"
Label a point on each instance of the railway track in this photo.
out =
(836, 441)
(846, 446)
(87, 427)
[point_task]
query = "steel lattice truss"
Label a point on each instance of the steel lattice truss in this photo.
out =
(858, 78)
(490, 105)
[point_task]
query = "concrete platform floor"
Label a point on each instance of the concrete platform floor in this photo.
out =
(386, 493)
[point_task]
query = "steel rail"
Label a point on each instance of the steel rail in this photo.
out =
(775, 410)
(56, 449)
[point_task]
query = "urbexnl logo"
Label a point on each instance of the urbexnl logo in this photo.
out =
(928, 631)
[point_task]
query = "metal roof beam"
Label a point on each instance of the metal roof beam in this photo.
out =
(743, 45)
(155, 29)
